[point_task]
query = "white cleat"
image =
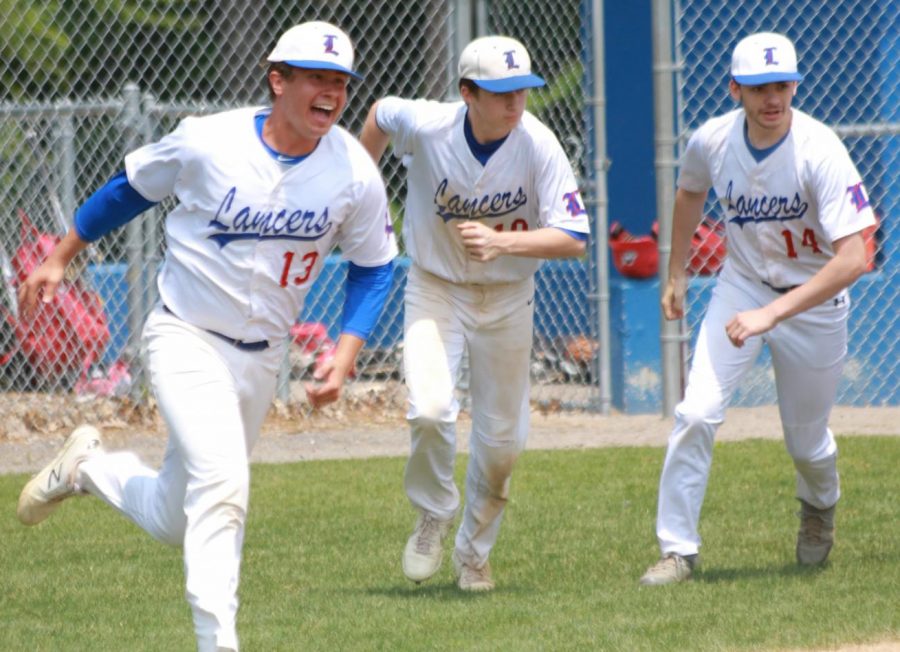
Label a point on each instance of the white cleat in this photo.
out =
(56, 481)
(670, 569)
(470, 578)
(425, 550)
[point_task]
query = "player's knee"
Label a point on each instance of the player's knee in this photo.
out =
(171, 535)
(226, 491)
(436, 410)
(497, 469)
(699, 415)
(498, 477)
(431, 427)
(809, 444)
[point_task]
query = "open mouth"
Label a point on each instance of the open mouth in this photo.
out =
(323, 111)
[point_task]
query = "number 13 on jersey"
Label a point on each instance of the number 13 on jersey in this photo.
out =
(307, 263)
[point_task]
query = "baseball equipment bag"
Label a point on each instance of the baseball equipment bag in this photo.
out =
(707, 247)
(65, 337)
(633, 256)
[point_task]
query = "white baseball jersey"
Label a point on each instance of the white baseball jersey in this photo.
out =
(782, 213)
(250, 235)
(526, 184)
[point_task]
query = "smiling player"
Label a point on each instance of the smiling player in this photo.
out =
(264, 194)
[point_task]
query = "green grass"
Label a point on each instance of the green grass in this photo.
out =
(321, 565)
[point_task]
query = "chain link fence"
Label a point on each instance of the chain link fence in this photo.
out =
(85, 82)
(849, 52)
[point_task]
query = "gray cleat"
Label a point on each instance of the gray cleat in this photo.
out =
(816, 534)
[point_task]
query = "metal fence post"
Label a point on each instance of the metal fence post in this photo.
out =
(134, 246)
(671, 332)
(66, 167)
(152, 253)
(601, 202)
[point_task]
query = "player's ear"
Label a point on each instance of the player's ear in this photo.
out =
(276, 82)
(734, 89)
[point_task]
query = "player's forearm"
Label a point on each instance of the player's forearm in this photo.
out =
(547, 242)
(348, 347)
(848, 264)
(687, 213)
(372, 137)
(68, 248)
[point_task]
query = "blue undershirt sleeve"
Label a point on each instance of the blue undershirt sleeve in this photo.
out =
(366, 293)
(114, 204)
(575, 234)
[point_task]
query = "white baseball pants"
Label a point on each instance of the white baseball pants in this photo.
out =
(495, 323)
(808, 352)
(213, 398)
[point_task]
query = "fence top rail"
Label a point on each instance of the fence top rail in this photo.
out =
(65, 108)
(843, 130)
(868, 129)
(175, 110)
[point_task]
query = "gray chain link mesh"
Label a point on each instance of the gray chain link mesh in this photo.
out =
(848, 51)
(85, 82)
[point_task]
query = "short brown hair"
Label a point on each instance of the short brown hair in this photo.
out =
(470, 85)
(282, 68)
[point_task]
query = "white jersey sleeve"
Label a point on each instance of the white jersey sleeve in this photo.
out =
(397, 117)
(367, 236)
(841, 197)
(560, 200)
(694, 174)
(154, 169)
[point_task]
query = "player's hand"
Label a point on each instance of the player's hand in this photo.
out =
(482, 243)
(41, 285)
(749, 323)
(673, 297)
(329, 382)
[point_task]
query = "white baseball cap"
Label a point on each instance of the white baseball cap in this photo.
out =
(763, 58)
(316, 45)
(498, 64)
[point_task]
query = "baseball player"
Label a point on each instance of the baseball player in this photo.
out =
(794, 208)
(490, 193)
(264, 194)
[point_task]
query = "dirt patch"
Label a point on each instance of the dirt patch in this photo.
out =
(373, 431)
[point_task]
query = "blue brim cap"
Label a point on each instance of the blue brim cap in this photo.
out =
(311, 64)
(768, 78)
(509, 84)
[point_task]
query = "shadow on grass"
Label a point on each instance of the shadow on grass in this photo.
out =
(437, 591)
(716, 575)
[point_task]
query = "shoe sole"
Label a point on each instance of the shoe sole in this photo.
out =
(31, 510)
(472, 588)
(418, 579)
(665, 582)
(818, 561)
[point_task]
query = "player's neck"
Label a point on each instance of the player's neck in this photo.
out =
(485, 134)
(764, 137)
(280, 136)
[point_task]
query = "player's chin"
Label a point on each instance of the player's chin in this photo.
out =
(513, 120)
(320, 122)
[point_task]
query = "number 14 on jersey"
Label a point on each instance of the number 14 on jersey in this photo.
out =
(809, 240)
